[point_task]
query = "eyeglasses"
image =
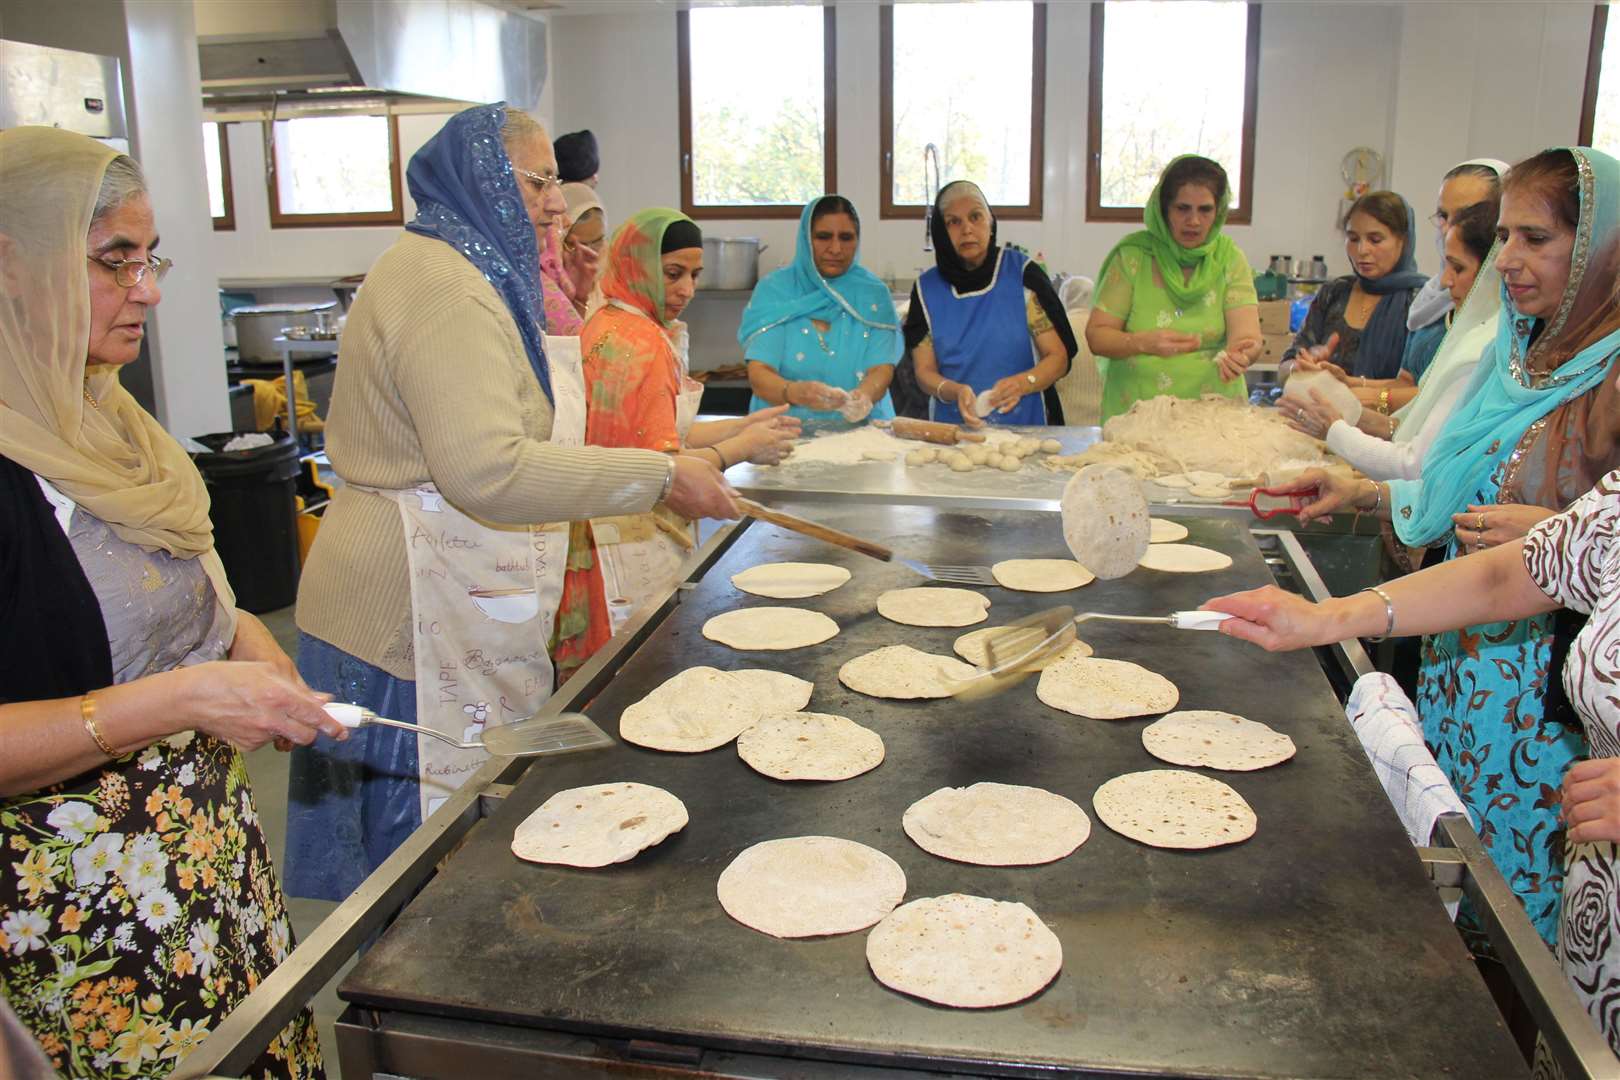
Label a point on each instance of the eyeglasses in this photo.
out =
(129, 272)
(1439, 219)
(541, 183)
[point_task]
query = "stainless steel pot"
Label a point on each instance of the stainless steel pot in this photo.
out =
(258, 326)
(730, 262)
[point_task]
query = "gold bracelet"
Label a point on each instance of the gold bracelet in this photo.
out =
(1383, 403)
(87, 711)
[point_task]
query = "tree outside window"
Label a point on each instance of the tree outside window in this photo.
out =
(335, 170)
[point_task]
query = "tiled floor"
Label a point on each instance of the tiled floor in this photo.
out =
(267, 770)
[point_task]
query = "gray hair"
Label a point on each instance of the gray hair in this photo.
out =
(122, 182)
(518, 128)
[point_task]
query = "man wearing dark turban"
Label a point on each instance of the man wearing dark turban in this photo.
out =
(577, 158)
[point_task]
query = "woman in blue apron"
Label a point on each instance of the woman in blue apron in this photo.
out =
(987, 332)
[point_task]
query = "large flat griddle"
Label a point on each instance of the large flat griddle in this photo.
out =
(1315, 949)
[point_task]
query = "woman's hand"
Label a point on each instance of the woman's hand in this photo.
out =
(1591, 801)
(1168, 342)
(583, 264)
(247, 703)
(1236, 358)
(967, 405)
(1005, 393)
(1333, 492)
(775, 415)
(1274, 619)
(809, 394)
(768, 442)
(1319, 358)
(857, 406)
(1312, 417)
(1480, 527)
(700, 491)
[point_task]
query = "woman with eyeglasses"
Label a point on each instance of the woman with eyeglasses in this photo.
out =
(139, 904)
(434, 590)
(584, 238)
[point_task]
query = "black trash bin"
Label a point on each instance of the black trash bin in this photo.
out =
(255, 518)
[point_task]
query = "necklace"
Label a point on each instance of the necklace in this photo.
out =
(821, 337)
(91, 400)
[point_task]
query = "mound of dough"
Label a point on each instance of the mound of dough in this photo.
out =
(934, 607)
(1338, 395)
(1041, 575)
(901, 672)
(1105, 689)
(969, 952)
(997, 825)
(971, 645)
(1105, 520)
(810, 886)
(704, 707)
(790, 580)
(1161, 531)
(1170, 808)
(1184, 559)
(1216, 740)
(810, 746)
(770, 628)
(598, 825)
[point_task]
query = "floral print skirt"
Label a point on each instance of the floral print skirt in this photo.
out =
(138, 907)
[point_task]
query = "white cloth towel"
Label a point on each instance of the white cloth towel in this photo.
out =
(1387, 724)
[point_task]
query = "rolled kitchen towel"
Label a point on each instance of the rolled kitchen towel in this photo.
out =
(1387, 724)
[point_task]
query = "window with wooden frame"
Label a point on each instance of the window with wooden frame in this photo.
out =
(217, 164)
(333, 171)
(986, 121)
(757, 115)
(1155, 95)
(1600, 106)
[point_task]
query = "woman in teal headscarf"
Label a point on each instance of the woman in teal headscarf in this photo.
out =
(821, 334)
(1538, 425)
(1175, 310)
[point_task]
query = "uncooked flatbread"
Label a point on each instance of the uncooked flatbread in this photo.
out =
(934, 607)
(1338, 395)
(1173, 480)
(704, 707)
(1216, 740)
(997, 825)
(1172, 808)
(1184, 559)
(899, 671)
(810, 886)
(1161, 531)
(770, 628)
(1105, 689)
(1041, 575)
(810, 746)
(1209, 491)
(598, 825)
(1105, 520)
(970, 952)
(790, 580)
(971, 645)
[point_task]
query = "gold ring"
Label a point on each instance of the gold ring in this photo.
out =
(1481, 527)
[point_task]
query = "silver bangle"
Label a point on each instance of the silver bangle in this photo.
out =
(939, 386)
(1389, 612)
(669, 478)
(1378, 496)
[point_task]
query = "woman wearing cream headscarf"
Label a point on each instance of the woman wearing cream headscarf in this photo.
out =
(129, 680)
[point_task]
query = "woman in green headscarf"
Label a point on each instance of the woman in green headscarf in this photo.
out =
(1175, 309)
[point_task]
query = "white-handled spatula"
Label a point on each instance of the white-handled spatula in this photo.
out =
(564, 733)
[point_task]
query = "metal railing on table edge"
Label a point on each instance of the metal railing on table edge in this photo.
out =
(1459, 860)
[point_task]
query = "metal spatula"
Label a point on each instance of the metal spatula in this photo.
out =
(956, 575)
(1033, 643)
(565, 733)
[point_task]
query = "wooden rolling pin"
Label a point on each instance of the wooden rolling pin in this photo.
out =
(905, 427)
(811, 528)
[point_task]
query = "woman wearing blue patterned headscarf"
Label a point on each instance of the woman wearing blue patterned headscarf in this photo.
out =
(821, 334)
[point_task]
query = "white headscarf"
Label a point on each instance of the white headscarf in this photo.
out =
(1434, 299)
(115, 461)
(1471, 332)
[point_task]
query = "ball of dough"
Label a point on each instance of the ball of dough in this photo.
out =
(1050, 446)
(960, 463)
(916, 457)
(1029, 443)
(1011, 463)
(929, 453)
(976, 454)
(993, 460)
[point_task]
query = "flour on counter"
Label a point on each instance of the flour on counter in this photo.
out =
(868, 444)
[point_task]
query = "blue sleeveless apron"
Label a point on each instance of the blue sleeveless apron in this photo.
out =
(982, 337)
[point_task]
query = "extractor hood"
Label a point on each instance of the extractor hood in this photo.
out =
(464, 50)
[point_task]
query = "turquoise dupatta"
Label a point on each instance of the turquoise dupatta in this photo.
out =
(1504, 399)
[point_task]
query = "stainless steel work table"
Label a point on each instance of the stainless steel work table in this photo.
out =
(1315, 949)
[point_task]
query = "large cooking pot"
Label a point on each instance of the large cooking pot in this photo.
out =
(730, 262)
(259, 325)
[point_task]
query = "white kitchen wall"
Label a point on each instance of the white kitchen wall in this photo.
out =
(1425, 84)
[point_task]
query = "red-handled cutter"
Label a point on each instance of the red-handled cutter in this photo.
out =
(1267, 503)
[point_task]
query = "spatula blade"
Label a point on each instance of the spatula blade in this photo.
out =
(534, 736)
